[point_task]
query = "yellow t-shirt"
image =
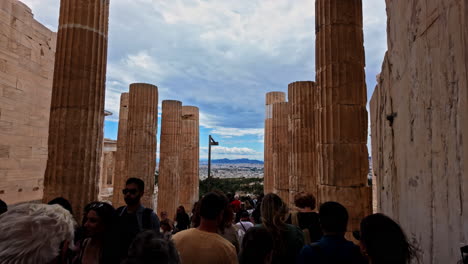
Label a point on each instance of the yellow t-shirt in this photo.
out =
(197, 246)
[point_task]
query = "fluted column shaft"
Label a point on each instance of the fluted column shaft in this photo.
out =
(77, 106)
(189, 157)
(120, 171)
(268, 178)
(169, 165)
(342, 117)
(303, 153)
(141, 137)
(281, 149)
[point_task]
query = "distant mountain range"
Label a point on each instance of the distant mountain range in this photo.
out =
(234, 161)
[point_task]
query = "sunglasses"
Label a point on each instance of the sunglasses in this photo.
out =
(131, 191)
(96, 205)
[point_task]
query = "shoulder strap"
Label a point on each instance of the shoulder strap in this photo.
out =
(146, 221)
(243, 226)
(120, 210)
(307, 239)
(294, 219)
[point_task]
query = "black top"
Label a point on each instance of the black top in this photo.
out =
(183, 221)
(309, 220)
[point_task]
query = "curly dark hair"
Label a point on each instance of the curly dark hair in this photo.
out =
(303, 200)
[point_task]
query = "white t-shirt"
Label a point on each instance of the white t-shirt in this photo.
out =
(244, 226)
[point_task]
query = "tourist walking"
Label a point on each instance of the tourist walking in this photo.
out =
(226, 227)
(182, 219)
(332, 247)
(3, 207)
(203, 244)
(52, 227)
(257, 247)
(305, 218)
(244, 223)
(99, 246)
(383, 241)
(149, 247)
(288, 239)
(134, 217)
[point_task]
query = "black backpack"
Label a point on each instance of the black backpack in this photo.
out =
(146, 219)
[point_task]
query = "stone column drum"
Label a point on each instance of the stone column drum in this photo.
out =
(342, 116)
(268, 181)
(77, 107)
(104, 162)
(302, 155)
(120, 171)
(141, 145)
(280, 142)
(189, 157)
(169, 165)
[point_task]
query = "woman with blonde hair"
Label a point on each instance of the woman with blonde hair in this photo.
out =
(288, 240)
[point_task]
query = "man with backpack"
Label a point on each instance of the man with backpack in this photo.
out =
(134, 217)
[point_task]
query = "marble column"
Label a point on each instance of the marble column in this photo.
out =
(77, 106)
(342, 118)
(271, 98)
(303, 153)
(281, 147)
(120, 171)
(169, 164)
(141, 146)
(189, 157)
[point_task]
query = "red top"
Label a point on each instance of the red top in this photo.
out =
(236, 205)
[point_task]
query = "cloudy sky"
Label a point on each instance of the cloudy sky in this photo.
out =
(219, 55)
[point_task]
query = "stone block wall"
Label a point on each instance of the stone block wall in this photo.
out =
(419, 123)
(27, 52)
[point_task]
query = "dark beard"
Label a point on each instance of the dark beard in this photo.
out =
(130, 201)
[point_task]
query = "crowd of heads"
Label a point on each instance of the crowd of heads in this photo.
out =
(48, 233)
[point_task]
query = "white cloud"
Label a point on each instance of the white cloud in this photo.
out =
(234, 150)
(220, 152)
(237, 132)
(208, 120)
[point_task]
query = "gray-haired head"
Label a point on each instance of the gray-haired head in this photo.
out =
(33, 233)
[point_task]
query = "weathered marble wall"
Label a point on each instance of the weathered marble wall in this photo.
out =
(419, 114)
(27, 52)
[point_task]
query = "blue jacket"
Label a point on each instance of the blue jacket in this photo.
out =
(331, 250)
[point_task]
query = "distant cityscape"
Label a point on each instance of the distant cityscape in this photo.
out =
(226, 168)
(238, 168)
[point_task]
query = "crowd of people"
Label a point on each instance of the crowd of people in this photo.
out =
(220, 229)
